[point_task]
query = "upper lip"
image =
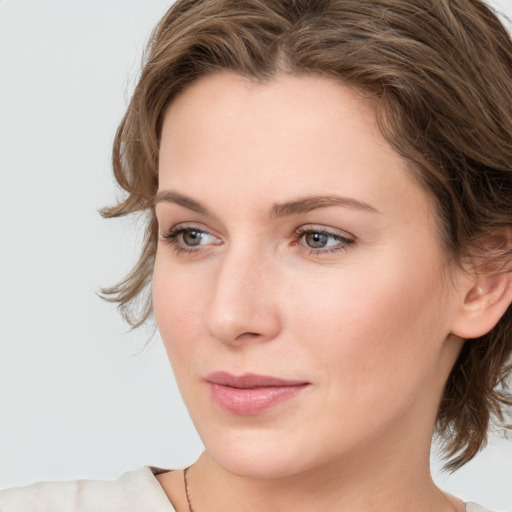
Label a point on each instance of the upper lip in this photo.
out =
(250, 380)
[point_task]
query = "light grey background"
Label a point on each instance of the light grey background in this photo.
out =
(79, 396)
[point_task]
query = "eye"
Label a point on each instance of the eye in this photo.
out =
(320, 240)
(189, 238)
(192, 237)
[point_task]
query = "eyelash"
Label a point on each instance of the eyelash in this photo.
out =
(171, 238)
(343, 245)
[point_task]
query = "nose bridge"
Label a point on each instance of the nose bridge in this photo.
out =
(243, 299)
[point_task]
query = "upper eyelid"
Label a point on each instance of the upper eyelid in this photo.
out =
(171, 235)
(318, 228)
(302, 229)
(198, 226)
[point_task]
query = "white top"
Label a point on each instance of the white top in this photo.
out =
(135, 491)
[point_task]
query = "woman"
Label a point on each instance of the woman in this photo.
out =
(329, 196)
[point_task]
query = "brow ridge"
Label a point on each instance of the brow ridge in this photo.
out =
(294, 207)
(170, 196)
(309, 203)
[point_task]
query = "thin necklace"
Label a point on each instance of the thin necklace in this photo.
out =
(185, 472)
(185, 480)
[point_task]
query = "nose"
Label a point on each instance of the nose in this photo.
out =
(243, 307)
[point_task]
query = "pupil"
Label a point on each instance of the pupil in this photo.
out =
(192, 237)
(316, 240)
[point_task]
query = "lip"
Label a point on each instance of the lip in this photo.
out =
(251, 394)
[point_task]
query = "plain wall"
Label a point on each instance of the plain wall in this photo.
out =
(80, 397)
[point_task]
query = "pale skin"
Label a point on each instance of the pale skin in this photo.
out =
(294, 242)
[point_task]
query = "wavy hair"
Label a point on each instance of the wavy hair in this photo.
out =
(439, 73)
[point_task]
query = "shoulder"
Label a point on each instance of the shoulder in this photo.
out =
(134, 491)
(473, 507)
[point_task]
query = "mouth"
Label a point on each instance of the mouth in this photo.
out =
(251, 394)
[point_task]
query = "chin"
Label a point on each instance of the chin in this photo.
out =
(258, 464)
(260, 453)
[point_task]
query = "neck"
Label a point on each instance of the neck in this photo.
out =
(363, 484)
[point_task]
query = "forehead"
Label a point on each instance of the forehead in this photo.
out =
(294, 135)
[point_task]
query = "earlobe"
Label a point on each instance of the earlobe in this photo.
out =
(484, 304)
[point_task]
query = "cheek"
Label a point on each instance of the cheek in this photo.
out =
(363, 324)
(352, 322)
(178, 309)
(372, 343)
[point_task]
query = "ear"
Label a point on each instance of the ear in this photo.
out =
(486, 297)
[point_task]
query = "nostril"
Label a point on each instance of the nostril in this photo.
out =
(237, 313)
(248, 335)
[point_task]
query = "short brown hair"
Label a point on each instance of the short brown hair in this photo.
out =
(440, 75)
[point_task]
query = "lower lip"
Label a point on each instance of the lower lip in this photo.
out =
(250, 401)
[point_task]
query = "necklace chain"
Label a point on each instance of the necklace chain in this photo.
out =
(185, 479)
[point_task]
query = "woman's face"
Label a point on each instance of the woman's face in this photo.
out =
(299, 286)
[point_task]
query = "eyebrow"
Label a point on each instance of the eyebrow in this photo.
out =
(307, 204)
(168, 196)
(297, 206)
